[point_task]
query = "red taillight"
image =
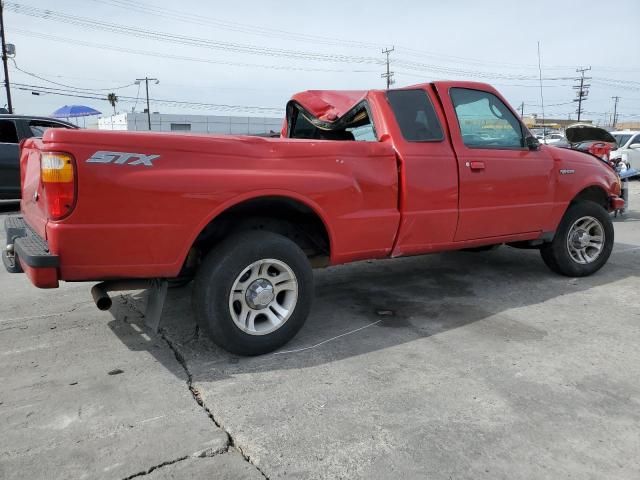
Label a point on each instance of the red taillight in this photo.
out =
(57, 172)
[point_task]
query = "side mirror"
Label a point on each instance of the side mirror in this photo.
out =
(635, 146)
(532, 143)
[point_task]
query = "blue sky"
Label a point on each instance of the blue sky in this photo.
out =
(258, 54)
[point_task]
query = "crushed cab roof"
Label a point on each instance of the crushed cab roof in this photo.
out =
(328, 105)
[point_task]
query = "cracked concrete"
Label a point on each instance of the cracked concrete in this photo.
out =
(228, 466)
(471, 365)
(198, 399)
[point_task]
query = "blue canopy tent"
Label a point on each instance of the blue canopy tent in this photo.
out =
(75, 111)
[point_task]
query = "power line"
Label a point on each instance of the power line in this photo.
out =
(39, 77)
(233, 26)
(138, 32)
(91, 24)
(416, 67)
(178, 15)
(128, 99)
(164, 55)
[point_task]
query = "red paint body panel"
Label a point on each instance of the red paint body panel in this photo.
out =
(376, 199)
(34, 212)
(143, 220)
(428, 177)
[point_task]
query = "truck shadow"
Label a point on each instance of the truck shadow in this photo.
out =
(371, 306)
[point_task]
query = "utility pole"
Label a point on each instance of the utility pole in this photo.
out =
(615, 111)
(146, 82)
(389, 74)
(4, 59)
(522, 110)
(582, 90)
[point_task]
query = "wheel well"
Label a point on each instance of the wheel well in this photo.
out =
(593, 194)
(285, 216)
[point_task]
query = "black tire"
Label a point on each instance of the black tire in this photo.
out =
(220, 270)
(556, 254)
(179, 282)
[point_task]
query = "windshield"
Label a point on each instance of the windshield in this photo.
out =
(621, 139)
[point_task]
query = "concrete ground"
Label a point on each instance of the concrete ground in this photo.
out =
(450, 366)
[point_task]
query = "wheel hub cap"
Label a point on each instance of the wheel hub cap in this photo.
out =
(586, 240)
(581, 239)
(263, 296)
(260, 294)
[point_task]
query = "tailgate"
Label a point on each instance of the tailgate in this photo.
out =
(32, 205)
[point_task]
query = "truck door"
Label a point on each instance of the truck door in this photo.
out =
(428, 174)
(505, 188)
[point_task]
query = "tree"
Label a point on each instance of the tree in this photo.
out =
(112, 98)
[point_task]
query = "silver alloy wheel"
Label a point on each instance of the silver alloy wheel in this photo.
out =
(585, 240)
(263, 296)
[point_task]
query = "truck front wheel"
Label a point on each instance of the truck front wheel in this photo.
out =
(253, 292)
(583, 242)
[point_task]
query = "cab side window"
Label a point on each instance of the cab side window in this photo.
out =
(485, 121)
(415, 115)
(8, 132)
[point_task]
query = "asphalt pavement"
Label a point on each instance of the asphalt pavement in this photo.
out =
(449, 366)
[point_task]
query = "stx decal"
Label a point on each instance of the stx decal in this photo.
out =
(567, 171)
(122, 158)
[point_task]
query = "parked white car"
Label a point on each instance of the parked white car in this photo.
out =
(554, 138)
(628, 147)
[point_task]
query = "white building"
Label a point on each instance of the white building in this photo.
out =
(215, 124)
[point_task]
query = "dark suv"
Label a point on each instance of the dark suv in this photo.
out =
(14, 129)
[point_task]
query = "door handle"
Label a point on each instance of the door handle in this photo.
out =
(475, 165)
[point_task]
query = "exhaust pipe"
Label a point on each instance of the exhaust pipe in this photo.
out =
(100, 291)
(101, 297)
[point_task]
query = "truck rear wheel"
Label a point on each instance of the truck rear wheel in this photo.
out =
(253, 292)
(583, 242)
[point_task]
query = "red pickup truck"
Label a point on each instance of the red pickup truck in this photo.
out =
(354, 175)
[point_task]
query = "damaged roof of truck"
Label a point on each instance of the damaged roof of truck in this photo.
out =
(327, 110)
(328, 105)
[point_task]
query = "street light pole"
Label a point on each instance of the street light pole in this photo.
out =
(146, 81)
(4, 59)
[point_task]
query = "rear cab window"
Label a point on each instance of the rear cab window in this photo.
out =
(485, 121)
(415, 115)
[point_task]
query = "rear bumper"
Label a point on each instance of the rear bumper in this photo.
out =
(27, 252)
